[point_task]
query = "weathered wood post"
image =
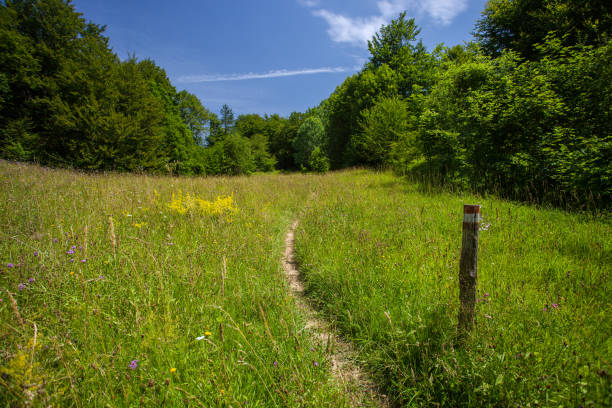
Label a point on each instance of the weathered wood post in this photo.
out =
(468, 268)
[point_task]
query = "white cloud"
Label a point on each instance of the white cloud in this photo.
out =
(262, 75)
(391, 8)
(309, 3)
(350, 30)
(359, 30)
(443, 11)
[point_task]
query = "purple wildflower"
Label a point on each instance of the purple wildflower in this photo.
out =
(10, 265)
(486, 295)
(316, 363)
(54, 239)
(312, 349)
(35, 253)
(555, 305)
(83, 260)
(72, 260)
(80, 248)
(134, 364)
(0, 300)
(70, 252)
(31, 280)
(73, 247)
(276, 364)
(544, 309)
(21, 286)
(101, 277)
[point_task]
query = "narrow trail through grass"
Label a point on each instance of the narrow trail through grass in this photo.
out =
(379, 259)
(126, 290)
(357, 384)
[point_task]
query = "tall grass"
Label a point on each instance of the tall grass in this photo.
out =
(123, 290)
(127, 301)
(380, 258)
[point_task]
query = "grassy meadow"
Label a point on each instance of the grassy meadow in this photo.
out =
(119, 312)
(126, 290)
(381, 260)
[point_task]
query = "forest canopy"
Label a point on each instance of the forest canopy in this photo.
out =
(524, 110)
(66, 99)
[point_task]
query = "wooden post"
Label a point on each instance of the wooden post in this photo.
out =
(468, 268)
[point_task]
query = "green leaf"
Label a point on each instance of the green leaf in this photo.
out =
(499, 380)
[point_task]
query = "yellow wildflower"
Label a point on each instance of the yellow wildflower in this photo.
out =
(182, 204)
(173, 370)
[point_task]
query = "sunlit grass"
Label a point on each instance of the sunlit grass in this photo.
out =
(143, 312)
(381, 259)
(161, 291)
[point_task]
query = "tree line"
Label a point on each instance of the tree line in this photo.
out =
(66, 99)
(523, 110)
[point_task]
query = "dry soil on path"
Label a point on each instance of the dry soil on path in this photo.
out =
(357, 384)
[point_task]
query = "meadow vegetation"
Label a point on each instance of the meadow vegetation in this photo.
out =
(133, 289)
(123, 289)
(381, 258)
(523, 110)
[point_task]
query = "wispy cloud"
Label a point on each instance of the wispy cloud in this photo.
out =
(444, 11)
(309, 3)
(358, 30)
(262, 75)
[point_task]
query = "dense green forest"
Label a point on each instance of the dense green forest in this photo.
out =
(525, 110)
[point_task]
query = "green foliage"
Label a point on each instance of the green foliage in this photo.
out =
(390, 45)
(397, 69)
(309, 137)
(71, 102)
(345, 105)
(318, 162)
(384, 125)
(520, 25)
(483, 119)
(262, 159)
(251, 124)
(282, 133)
(525, 112)
(579, 150)
(524, 129)
(215, 132)
(66, 99)
(536, 129)
(236, 155)
(227, 119)
(194, 115)
(178, 141)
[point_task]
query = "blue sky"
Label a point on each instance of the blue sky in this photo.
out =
(267, 56)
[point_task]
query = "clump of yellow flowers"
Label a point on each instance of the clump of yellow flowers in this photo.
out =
(22, 376)
(186, 203)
